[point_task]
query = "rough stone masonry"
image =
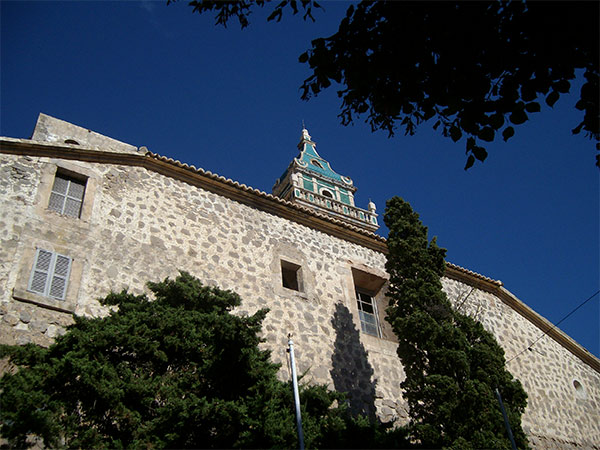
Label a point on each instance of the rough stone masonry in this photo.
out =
(144, 217)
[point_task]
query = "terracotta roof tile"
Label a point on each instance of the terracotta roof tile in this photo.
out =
(263, 194)
(474, 274)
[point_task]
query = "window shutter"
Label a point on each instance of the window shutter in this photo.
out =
(67, 195)
(41, 270)
(72, 207)
(74, 198)
(59, 194)
(58, 284)
(50, 274)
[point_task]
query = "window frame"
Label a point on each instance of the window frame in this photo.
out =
(361, 312)
(327, 193)
(373, 283)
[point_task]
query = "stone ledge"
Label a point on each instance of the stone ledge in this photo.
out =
(45, 302)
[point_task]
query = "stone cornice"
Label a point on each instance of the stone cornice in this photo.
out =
(282, 208)
(205, 180)
(548, 328)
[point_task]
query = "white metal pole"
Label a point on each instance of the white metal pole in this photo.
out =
(296, 393)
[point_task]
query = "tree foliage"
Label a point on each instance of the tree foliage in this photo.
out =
(178, 372)
(241, 9)
(474, 70)
(452, 363)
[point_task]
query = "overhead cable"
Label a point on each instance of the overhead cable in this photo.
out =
(552, 327)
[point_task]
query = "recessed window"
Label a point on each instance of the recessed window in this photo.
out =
(326, 193)
(67, 194)
(291, 276)
(71, 141)
(367, 312)
(50, 274)
(367, 288)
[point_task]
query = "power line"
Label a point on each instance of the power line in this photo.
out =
(553, 327)
(465, 299)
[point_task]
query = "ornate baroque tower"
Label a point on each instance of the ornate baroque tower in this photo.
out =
(310, 181)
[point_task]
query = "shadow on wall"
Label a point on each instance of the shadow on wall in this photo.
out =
(351, 371)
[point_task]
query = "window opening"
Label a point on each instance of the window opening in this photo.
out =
(367, 288)
(367, 313)
(67, 195)
(50, 274)
(314, 162)
(579, 389)
(326, 193)
(291, 276)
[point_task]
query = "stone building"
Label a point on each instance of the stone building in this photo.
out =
(83, 214)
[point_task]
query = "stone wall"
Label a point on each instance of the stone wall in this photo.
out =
(558, 415)
(51, 129)
(138, 225)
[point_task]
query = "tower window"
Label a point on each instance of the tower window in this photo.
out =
(291, 276)
(326, 193)
(314, 162)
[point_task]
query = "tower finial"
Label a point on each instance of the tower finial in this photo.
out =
(305, 135)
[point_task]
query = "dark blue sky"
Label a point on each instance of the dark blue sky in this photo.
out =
(228, 101)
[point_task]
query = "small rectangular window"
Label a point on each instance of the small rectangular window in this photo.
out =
(367, 312)
(50, 274)
(67, 195)
(291, 276)
(367, 288)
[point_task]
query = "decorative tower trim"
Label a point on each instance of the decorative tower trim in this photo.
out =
(310, 181)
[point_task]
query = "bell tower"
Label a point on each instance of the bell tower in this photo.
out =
(310, 181)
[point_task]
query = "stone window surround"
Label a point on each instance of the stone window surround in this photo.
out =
(26, 262)
(287, 253)
(48, 174)
(374, 283)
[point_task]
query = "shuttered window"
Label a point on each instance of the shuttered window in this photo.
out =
(50, 274)
(67, 195)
